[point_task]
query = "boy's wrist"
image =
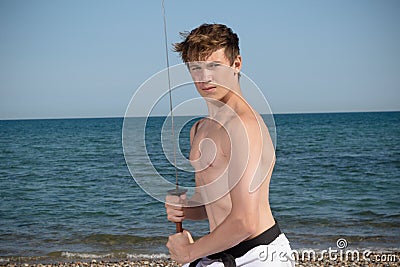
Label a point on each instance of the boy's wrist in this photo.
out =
(193, 253)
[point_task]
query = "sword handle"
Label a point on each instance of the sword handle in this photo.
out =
(177, 192)
(179, 228)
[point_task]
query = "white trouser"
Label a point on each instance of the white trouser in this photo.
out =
(277, 254)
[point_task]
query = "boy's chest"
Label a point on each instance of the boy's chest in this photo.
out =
(210, 147)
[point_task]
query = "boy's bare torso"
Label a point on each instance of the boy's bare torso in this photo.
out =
(210, 156)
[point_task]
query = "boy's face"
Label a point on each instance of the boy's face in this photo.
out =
(215, 77)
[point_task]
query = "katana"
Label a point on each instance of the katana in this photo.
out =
(175, 192)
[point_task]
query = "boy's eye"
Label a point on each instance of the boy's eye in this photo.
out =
(213, 65)
(195, 68)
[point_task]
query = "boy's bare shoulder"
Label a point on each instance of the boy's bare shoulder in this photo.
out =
(194, 129)
(248, 121)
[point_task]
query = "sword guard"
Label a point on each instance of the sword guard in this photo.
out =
(177, 192)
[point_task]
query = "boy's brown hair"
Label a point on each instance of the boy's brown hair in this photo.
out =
(206, 39)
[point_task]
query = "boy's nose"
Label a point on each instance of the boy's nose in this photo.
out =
(206, 75)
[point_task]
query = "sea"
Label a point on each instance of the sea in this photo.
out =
(66, 191)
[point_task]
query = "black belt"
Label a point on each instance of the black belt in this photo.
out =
(228, 256)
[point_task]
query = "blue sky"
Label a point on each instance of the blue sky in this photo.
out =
(61, 59)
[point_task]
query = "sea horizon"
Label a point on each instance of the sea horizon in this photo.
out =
(189, 115)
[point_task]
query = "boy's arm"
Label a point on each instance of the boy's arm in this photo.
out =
(176, 212)
(196, 211)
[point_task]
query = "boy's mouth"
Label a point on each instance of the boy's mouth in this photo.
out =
(209, 88)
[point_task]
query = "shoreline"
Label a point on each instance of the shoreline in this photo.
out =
(382, 258)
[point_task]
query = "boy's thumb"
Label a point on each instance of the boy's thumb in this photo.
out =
(187, 233)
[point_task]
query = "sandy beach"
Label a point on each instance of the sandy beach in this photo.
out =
(375, 259)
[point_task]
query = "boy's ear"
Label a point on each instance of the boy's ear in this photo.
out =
(237, 64)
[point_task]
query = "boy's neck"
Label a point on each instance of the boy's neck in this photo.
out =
(232, 102)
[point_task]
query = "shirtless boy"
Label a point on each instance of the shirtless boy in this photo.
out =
(233, 157)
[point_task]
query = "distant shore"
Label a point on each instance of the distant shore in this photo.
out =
(375, 259)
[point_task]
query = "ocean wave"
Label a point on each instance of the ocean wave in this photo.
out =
(120, 255)
(148, 256)
(77, 255)
(112, 239)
